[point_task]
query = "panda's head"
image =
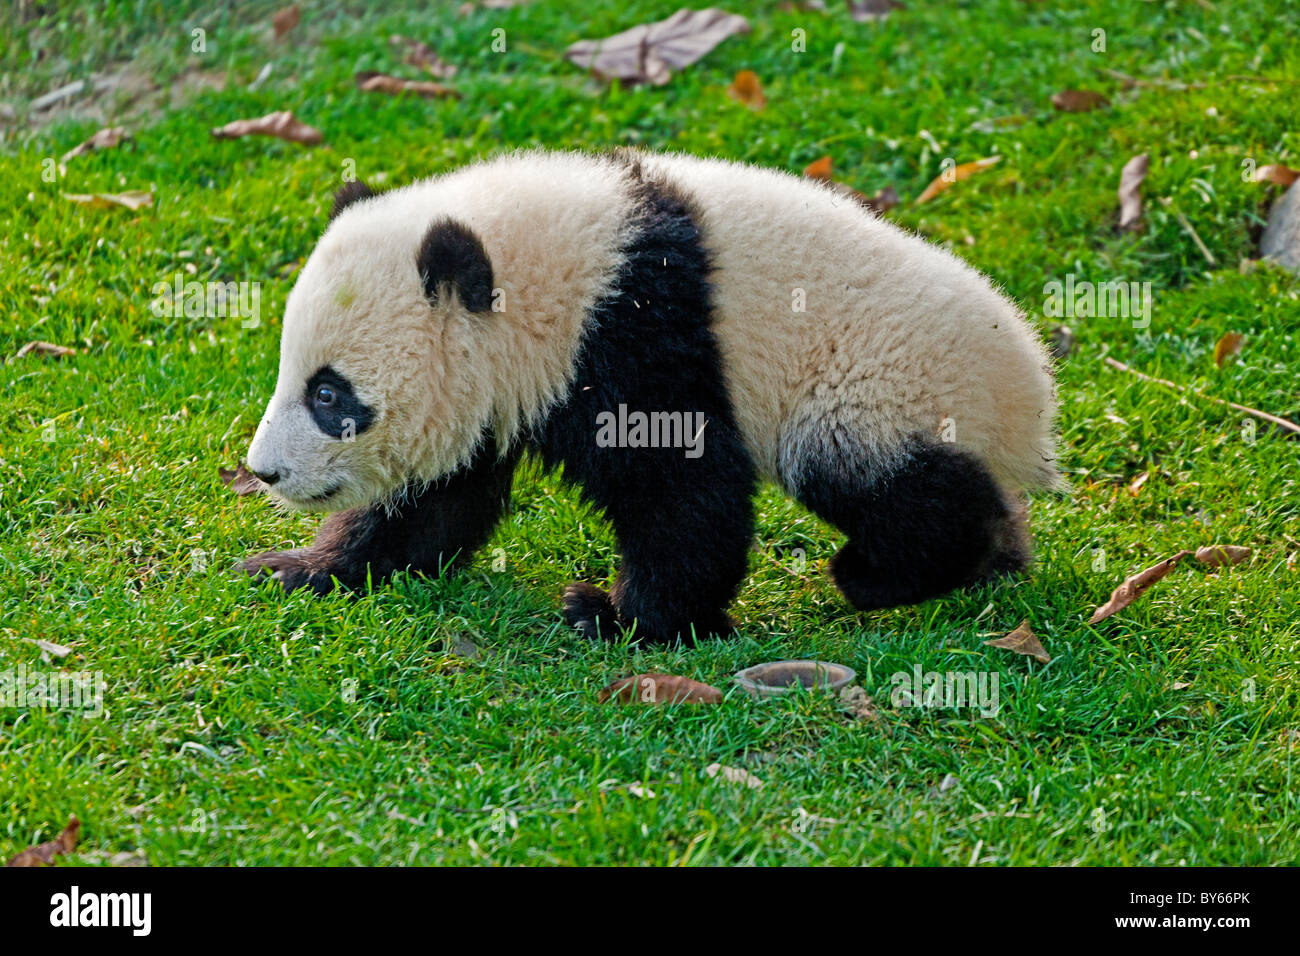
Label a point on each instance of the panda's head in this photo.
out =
(377, 381)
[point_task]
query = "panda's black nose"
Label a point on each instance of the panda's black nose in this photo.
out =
(269, 478)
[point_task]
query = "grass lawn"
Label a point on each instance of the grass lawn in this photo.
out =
(242, 726)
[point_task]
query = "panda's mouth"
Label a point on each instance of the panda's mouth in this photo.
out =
(326, 495)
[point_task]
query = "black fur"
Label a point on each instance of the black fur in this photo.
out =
(683, 525)
(451, 254)
(354, 191)
(436, 527)
(934, 522)
(334, 417)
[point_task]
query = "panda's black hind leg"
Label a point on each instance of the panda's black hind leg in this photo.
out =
(933, 521)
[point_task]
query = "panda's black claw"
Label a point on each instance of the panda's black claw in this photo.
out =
(589, 610)
(290, 569)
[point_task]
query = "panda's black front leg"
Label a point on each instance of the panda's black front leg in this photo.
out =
(684, 528)
(435, 526)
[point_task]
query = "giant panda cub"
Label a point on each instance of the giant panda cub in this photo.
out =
(664, 331)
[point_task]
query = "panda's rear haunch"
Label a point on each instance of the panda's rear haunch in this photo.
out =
(592, 310)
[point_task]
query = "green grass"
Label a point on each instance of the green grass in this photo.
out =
(228, 737)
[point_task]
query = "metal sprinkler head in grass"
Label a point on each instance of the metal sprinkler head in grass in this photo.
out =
(777, 678)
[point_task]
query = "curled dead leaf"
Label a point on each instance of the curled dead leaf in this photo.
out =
(242, 481)
(650, 52)
(370, 82)
(104, 139)
(282, 21)
(1222, 555)
(733, 775)
(1276, 173)
(281, 124)
(819, 168)
(1228, 346)
(1022, 641)
(864, 10)
(131, 199)
(43, 854)
(659, 689)
(47, 349)
(1078, 101)
(422, 55)
(1130, 191)
(1134, 587)
(747, 89)
(955, 174)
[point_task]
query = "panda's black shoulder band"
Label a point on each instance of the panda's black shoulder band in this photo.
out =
(451, 254)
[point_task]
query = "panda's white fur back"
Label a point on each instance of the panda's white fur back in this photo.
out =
(898, 335)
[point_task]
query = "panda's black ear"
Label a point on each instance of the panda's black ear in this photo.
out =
(450, 254)
(354, 191)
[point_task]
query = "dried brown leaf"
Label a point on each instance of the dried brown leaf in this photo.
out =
(1022, 641)
(104, 139)
(1136, 484)
(1228, 346)
(864, 10)
(242, 481)
(47, 349)
(1276, 173)
(282, 21)
(659, 689)
(44, 853)
(422, 55)
(956, 174)
(819, 168)
(1130, 191)
(650, 52)
(131, 199)
(1222, 555)
(733, 775)
(371, 82)
(1134, 587)
(1078, 101)
(281, 124)
(747, 89)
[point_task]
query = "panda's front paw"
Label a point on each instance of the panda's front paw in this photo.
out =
(290, 569)
(589, 610)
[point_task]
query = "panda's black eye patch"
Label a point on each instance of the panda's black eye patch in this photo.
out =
(334, 405)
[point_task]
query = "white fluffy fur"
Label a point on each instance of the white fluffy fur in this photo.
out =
(897, 335)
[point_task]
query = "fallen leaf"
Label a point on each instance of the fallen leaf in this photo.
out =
(281, 124)
(1227, 347)
(881, 202)
(44, 854)
(1276, 173)
(746, 88)
(659, 689)
(285, 20)
(1136, 484)
(48, 349)
(422, 55)
(371, 82)
(1078, 101)
(1135, 586)
(1180, 685)
(1022, 641)
(858, 703)
(733, 775)
(104, 139)
(131, 199)
(636, 790)
(241, 480)
(818, 168)
(1130, 191)
(650, 52)
(1222, 555)
(49, 647)
(955, 174)
(864, 10)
